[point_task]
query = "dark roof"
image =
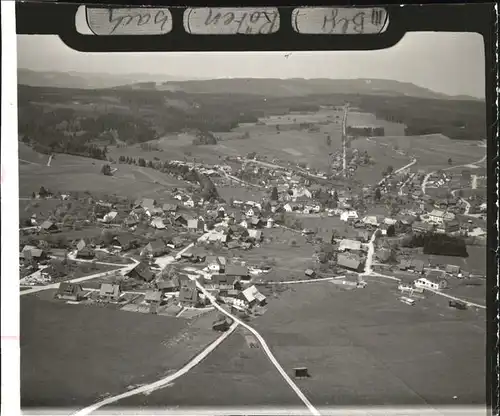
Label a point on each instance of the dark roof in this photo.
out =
(349, 262)
(47, 225)
(124, 239)
(153, 296)
(143, 270)
(236, 270)
(157, 245)
(188, 294)
(69, 288)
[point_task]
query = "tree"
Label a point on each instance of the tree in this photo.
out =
(274, 194)
(42, 192)
(106, 170)
(33, 195)
(391, 231)
(389, 170)
(328, 140)
(450, 161)
(378, 194)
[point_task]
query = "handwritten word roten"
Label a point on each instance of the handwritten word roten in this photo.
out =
(231, 21)
(129, 21)
(340, 21)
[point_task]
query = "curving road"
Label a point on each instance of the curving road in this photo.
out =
(426, 178)
(148, 388)
(264, 345)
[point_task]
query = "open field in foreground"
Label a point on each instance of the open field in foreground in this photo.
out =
(72, 355)
(364, 347)
(233, 375)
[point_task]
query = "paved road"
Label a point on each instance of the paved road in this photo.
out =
(263, 343)
(148, 388)
(458, 299)
(369, 257)
(293, 282)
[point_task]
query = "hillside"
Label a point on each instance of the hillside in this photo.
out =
(85, 80)
(297, 87)
(84, 121)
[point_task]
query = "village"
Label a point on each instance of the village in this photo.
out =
(152, 256)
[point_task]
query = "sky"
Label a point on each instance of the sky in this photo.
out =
(450, 63)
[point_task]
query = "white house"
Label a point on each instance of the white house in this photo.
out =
(250, 212)
(349, 214)
(438, 216)
(244, 223)
(288, 208)
(430, 283)
(371, 220)
(189, 203)
(301, 192)
(270, 223)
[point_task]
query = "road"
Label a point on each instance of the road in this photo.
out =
(400, 192)
(50, 160)
(400, 170)
(474, 182)
(294, 282)
(426, 178)
(369, 257)
(455, 298)
(234, 178)
(263, 343)
(148, 388)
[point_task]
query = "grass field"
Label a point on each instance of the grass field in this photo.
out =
(364, 347)
(233, 375)
(73, 354)
(73, 173)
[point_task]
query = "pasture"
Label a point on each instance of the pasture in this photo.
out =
(234, 375)
(72, 355)
(364, 347)
(78, 174)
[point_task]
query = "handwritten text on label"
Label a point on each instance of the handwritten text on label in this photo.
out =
(341, 21)
(129, 21)
(231, 21)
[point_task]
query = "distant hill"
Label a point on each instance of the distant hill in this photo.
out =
(296, 87)
(85, 80)
(267, 87)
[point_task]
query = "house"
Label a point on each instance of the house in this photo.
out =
(180, 219)
(148, 203)
(196, 225)
(31, 252)
(310, 273)
(110, 217)
(421, 227)
(49, 227)
(154, 212)
(131, 221)
(270, 223)
(85, 253)
(141, 271)
(251, 296)
(364, 235)
(81, 244)
(70, 291)
(216, 264)
(223, 281)
(170, 208)
(155, 248)
(348, 215)
(255, 235)
(436, 216)
(153, 298)
(383, 255)
(288, 207)
(430, 282)
(110, 292)
(222, 324)
(158, 223)
(124, 242)
(188, 296)
(250, 212)
(350, 245)
(349, 262)
(244, 224)
(189, 203)
(256, 222)
(371, 220)
(452, 269)
(169, 285)
(56, 270)
(239, 272)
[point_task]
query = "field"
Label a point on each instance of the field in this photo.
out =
(233, 375)
(364, 347)
(78, 174)
(74, 354)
